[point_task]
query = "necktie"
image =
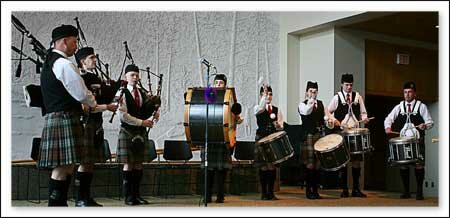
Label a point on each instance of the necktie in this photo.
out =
(136, 96)
(315, 105)
(269, 109)
(348, 99)
(409, 108)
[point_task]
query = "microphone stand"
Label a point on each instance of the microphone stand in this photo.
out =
(205, 148)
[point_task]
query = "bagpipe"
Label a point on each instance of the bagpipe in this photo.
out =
(106, 93)
(151, 103)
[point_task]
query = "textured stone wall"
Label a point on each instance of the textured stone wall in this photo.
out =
(242, 45)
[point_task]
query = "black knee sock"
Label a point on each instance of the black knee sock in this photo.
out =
(210, 182)
(137, 178)
(221, 175)
(309, 180)
(272, 174)
(56, 189)
(263, 181)
(127, 183)
(420, 173)
(66, 187)
(344, 178)
(83, 182)
(316, 180)
(404, 173)
(356, 173)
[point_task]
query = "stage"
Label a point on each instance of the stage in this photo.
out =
(290, 196)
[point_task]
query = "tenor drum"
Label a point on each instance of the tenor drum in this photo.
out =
(221, 124)
(357, 140)
(275, 148)
(331, 152)
(404, 150)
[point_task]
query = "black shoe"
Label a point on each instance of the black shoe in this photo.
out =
(264, 197)
(310, 194)
(317, 196)
(272, 197)
(92, 203)
(81, 203)
(131, 200)
(141, 200)
(405, 196)
(358, 193)
(220, 200)
(419, 197)
(344, 193)
(208, 200)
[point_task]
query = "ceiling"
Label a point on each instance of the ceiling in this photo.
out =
(419, 26)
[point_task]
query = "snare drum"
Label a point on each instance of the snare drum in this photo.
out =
(404, 150)
(275, 148)
(331, 152)
(357, 140)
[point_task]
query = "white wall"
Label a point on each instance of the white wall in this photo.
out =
(317, 64)
(433, 156)
(242, 45)
(292, 23)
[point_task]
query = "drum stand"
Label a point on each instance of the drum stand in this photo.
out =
(205, 148)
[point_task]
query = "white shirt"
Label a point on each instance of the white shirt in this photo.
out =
(306, 109)
(263, 106)
(100, 107)
(123, 111)
(69, 75)
(335, 101)
(396, 111)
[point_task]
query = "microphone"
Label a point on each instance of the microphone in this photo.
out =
(206, 62)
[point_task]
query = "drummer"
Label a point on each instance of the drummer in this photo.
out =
(269, 120)
(339, 107)
(219, 155)
(421, 119)
(314, 118)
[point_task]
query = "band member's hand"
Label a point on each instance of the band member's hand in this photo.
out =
(337, 123)
(266, 89)
(147, 123)
(85, 108)
(112, 107)
(156, 116)
(422, 126)
(388, 130)
(239, 119)
(366, 121)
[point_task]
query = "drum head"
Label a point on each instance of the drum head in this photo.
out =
(272, 137)
(402, 140)
(355, 131)
(328, 142)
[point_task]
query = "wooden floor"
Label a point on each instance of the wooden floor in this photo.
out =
(289, 197)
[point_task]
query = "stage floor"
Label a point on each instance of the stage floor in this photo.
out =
(289, 196)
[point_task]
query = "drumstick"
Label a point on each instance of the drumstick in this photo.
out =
(393, 132)
(371, 118)
(434, 139)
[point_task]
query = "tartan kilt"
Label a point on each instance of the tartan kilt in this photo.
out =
(307, 152)
(128, 153)
(93, 150)
(219, 156)
(61, 140)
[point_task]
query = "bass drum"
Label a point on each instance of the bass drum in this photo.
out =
(221, 121)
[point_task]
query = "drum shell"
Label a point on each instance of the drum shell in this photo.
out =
(221, 128)
(333, 159)
(404, 150)
(276, 150)
(358, 142)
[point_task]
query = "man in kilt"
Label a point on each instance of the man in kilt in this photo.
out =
(421, 119)
(269, 120)
(63, 91)
(93, 147)
(314, 118)
(339, 107)
(133, 145)
(219, 154)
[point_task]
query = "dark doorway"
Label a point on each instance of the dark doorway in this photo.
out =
(376, 163)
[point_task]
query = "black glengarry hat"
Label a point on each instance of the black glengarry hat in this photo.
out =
(310, 85)
(410, 85)
(131, 67)
(221, 77)
(64, 31)
(83, 53)
(347, 78)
